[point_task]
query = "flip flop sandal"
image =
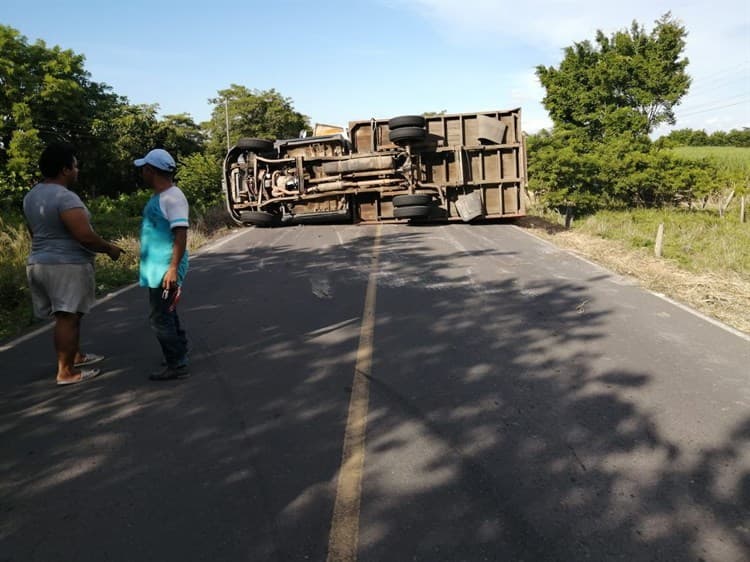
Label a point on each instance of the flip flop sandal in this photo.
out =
(86, 375)
(89, 359)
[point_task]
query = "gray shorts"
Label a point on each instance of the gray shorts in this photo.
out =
(61, 287)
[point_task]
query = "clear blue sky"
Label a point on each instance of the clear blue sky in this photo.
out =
(347, 60)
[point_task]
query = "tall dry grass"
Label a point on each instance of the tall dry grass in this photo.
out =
(705, 262)
(698, 241)
(15, 244)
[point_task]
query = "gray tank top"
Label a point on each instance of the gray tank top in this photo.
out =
(51, 241)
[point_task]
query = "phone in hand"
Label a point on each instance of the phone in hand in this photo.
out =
(172, 296)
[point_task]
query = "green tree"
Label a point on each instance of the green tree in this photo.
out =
(116, 139)
(628, 82)
(199, 177)
(252, 113)
(180, 135)
(737, 137)
(699, 138)
(604, 100)
(127, 133)
(24, 147)
(43, 89)
(684, 137)
(691, 137)
(46, 95)
(567, 168)
(718, 138)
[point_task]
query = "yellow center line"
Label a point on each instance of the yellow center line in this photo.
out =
(342, 542)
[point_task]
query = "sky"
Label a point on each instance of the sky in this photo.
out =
(347, 60)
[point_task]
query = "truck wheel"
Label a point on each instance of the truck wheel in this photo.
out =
(407, 134)
(408, 200)
(412, 212)
(256, 145)
(406, 121)
(258, 218)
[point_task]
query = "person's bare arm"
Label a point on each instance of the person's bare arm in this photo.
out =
(178, 250)
(77, 222)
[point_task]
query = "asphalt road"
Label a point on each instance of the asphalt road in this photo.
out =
(501, 399)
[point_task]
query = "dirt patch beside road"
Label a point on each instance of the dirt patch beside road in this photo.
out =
(722, 296)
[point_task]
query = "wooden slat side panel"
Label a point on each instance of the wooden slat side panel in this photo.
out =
(492, 200)
(454, 136)
(510, 164)
(492, 170)
(361, 137)
(510, 199)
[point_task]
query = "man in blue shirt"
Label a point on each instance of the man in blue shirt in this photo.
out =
(164, 259)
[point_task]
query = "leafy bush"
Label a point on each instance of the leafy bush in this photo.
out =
(124, 205)
(691, 137)
(199, 177)
(565, 168)
(12, 190)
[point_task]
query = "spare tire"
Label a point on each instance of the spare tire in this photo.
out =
(416, 199)
(413, 212)
(406, 121)
(256, 145)
(258, 218)
(407, 134)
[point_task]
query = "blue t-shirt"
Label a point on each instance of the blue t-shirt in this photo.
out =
(163, 212)
(51, 241)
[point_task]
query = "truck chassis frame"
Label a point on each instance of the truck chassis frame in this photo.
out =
(464, 166)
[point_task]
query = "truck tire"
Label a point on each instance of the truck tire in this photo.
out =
(412, 212)
(408, 200)
(257, 218)
(407, 134)
(406, 121)
(255, 145)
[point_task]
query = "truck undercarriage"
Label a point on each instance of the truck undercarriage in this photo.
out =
(439, 168)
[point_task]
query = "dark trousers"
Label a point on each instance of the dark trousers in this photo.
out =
(166, 325)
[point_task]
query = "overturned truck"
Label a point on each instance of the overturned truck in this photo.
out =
(462, 166)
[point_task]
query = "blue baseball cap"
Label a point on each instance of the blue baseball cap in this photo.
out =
(158, 158)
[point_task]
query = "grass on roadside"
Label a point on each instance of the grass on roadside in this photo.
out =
(737, 157)
(15, 304)
(698, 241)
(15, 300)
(705, 263)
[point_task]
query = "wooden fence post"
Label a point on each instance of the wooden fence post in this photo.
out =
(742, 209)
(568, 216)
(724, 205)
(659, 240)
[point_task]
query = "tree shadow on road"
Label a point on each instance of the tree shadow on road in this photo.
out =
(499, 428)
